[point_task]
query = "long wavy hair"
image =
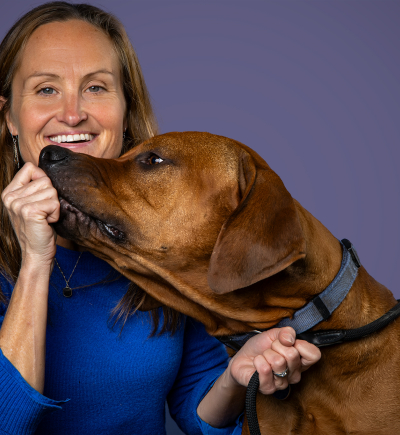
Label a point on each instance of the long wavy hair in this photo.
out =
(141, 124)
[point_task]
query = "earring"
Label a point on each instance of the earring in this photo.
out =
(123, 136)
(15, 142)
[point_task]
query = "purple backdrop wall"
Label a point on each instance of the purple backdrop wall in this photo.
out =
(312, 86)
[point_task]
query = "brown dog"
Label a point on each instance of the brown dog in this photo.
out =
(203, 225)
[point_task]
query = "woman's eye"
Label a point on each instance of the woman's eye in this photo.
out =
(47, 91)
(154, 160)
(95, 89)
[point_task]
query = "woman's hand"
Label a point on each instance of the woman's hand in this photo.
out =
(32, 204)
(273, 351)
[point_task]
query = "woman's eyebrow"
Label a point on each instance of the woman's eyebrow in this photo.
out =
(100, 71)
(42, 74)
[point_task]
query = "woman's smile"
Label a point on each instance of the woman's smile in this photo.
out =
(72, 140)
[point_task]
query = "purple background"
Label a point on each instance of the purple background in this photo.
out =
(313, 86)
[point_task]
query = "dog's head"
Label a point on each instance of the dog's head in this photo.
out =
(179, 210)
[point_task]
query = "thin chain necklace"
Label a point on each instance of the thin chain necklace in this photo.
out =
(67, 290)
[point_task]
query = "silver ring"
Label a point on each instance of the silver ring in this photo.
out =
(281, 374)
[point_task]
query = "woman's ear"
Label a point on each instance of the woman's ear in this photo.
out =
(11, 127)
(2, 102)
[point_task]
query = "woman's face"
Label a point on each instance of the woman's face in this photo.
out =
(67, 91)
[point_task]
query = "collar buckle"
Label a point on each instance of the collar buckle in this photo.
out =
(349, 246)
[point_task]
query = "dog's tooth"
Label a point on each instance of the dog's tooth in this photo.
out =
(64, 138)
(70, 138)
(77, 137)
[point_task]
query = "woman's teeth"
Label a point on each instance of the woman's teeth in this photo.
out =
(72, 138)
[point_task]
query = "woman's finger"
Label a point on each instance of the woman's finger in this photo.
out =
(266, 378)
(292, 358)
(260, 342)
(309, 354)
(286, 336)
(27, 190)
(25, 175)
(40, 206)
(267, 364)
(44, 209)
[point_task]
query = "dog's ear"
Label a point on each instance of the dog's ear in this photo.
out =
(262, 236)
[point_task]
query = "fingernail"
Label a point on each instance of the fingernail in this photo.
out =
(288, 337)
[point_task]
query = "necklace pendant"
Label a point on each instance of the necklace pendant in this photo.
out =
(67, 291)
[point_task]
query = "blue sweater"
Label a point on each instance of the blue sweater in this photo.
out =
(99, 381)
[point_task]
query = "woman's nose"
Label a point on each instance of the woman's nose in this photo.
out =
(71, 111)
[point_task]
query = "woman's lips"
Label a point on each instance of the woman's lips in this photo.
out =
(77, 140)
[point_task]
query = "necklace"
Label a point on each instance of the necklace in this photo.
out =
(67, 290)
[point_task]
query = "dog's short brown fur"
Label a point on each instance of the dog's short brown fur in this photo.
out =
(204, 226)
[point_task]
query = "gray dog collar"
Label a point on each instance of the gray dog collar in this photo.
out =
(317, 310)
(323, 305)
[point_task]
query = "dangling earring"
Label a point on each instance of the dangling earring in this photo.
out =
(123, 136)
(15, 142)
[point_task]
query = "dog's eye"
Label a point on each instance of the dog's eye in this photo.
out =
(154, 160)
(150, 158)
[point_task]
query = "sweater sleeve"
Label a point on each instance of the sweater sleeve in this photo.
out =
(204, 360)
(21, 406)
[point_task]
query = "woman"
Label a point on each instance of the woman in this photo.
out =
(69, 76)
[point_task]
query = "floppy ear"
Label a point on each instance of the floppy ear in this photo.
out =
(262, 236)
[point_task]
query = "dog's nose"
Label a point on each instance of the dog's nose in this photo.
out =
(53, 155)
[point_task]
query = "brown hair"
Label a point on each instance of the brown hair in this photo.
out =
(141, 123)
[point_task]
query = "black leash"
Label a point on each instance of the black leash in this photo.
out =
(251, 409)
(329, 337)
(321, 338)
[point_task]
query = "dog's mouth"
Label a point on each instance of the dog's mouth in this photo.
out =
(85, 220)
